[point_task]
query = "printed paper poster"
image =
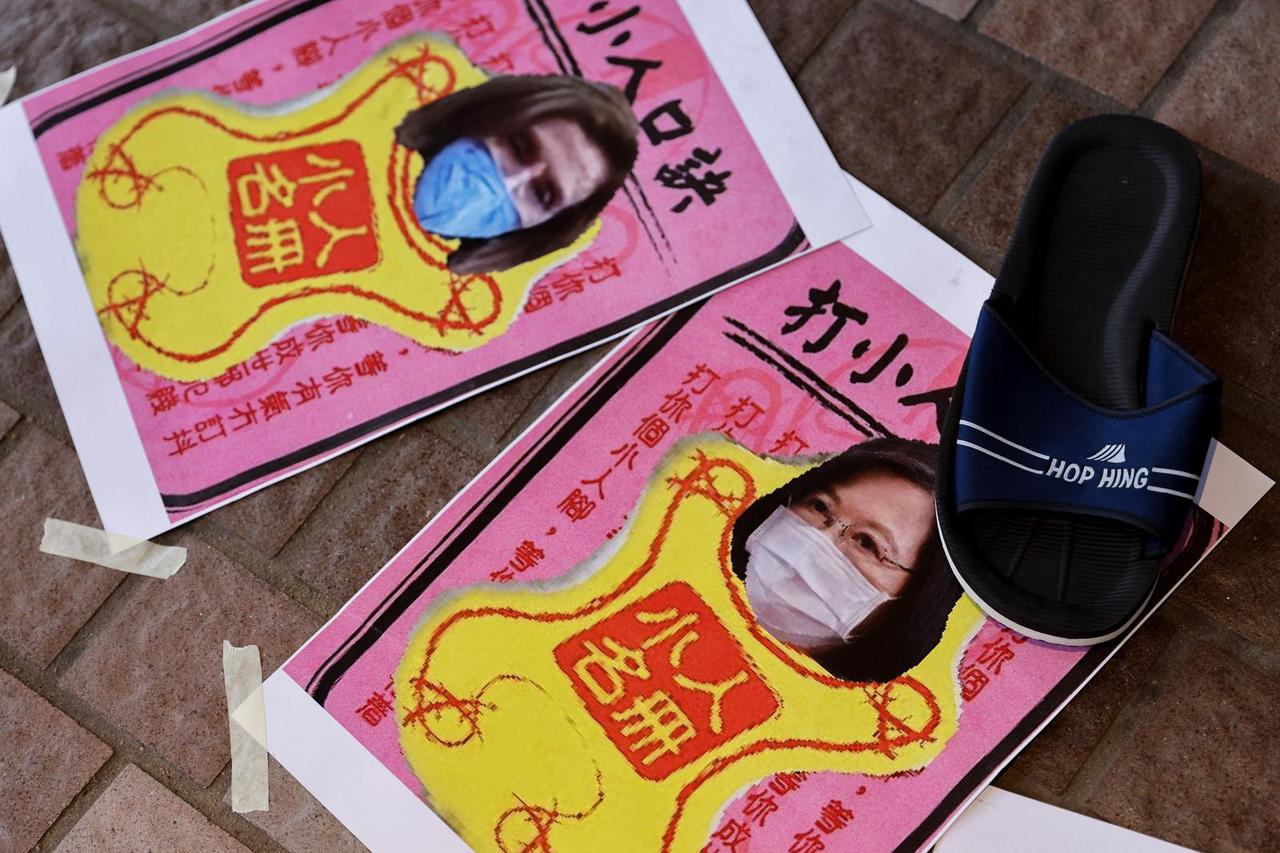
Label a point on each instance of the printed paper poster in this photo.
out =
(310, 221)
(700, 606)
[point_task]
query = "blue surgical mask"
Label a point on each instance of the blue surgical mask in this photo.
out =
(462, 194)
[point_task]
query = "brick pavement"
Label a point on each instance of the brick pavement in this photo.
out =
(943, 106)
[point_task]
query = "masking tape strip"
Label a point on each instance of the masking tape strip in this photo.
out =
(122, 553)
(7, 79)
(247, 724)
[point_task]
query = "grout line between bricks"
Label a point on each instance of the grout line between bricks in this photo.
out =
(847, 20)
(271, 571)
(970, 38)
(357, 476)
(1210, 631)
(118, 598)
(1144, 697)
(979, 13)
(125, 748)
(987, 149)
(13, 437)
(5, 314)
(55, 426)
(1204, 35)
(158, 24)
(1191, 624)
(542, 401)
(82, 801)
(1013, 780)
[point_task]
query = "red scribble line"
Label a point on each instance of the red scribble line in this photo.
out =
(885, 747)
(399, 158)
(701, 474)
(127, 171)
(468, 710)
(151, 285)
(398, 70)
(543, 819)
(627, 584)
(120, 166)
(440, 324)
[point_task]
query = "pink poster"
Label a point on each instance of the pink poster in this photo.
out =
(573, 653)
(311, 221)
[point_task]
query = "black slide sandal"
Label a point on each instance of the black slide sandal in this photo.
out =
(1073, 446)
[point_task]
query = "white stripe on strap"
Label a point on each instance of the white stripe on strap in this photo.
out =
(983, 429)
(994, 455)
(1175, 472)
(1171, 492)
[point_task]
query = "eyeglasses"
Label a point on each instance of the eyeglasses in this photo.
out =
(863, 543)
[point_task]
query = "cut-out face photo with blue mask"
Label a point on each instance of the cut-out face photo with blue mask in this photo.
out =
(519, 166)
(843, 564)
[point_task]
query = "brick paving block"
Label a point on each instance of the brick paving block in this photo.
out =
(8, 418)
(955, 9)
(138, 813)
(1237, 584)
(797, 27)
(989, 209)
(1229, 316)
(904, 109)
(1058, 752)
(190, 12)
(478, 424)
(9, 292)
(564, 375)
(1225, 97)
(24, 380)
(50, 41)
(44, 599)
(297, 820)
(384, 500)
(267, 519)
(1200, 770)
(1120, 49)
(154, 668)
(45, 761)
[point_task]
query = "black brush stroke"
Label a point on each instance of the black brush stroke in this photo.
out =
(799, 382)
(817, 380)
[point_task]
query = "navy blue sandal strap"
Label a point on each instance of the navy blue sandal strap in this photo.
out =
(1027, 441)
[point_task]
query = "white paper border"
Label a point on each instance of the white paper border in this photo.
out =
(921, 261)
(898, 246)
(901, 247)
(779, 122)
(88, 387)
(75, 350)
(346, 778)
(1000, 820)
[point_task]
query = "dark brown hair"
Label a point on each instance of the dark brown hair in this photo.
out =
(902, 631)
(506, 104)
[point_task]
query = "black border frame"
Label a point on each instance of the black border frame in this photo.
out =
(516, 476)
(792, 242)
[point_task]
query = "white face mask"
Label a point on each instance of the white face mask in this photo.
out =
(803, 589)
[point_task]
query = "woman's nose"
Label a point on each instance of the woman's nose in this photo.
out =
(515, 180)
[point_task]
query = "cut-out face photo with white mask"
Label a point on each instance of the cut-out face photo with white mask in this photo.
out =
(518, 166)
(842, 564)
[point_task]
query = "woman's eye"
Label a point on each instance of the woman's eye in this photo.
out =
(868, 544)
(545, 194)
(820, 506)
